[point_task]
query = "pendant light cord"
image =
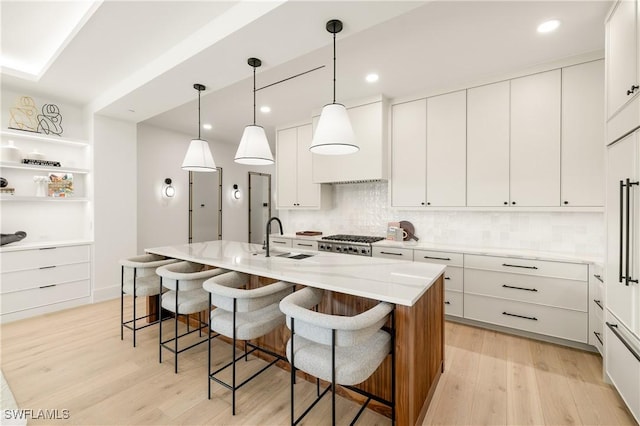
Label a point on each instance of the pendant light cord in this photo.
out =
(254, 96)
(334, 68)
(199, 114)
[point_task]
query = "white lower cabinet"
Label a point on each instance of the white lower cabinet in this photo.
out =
(622, 362)
(304, 244)
(392, 253)
(545, 320)
(280, 241)
(453, 303)
(596, 308)
(44, 279)
(453, 278)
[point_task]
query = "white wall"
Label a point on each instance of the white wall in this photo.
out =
(115, 207)
(363, 209)
(164, 222)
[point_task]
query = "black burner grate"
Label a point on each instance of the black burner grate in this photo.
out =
(353, 238)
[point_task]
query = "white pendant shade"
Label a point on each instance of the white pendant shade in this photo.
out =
(198, 157)
(254, 147)
(334, 134)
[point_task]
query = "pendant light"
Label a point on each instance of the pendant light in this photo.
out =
(198, 157)
(334, 134)
(254, 147)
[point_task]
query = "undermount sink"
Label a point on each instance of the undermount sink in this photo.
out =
(286, 255)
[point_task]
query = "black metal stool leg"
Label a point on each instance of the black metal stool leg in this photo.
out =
(175, 336)
(122, 303)
(160, 326)
(134, 305)
(209, 352)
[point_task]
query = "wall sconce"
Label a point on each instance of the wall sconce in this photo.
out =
(168, 190)
(236, 192)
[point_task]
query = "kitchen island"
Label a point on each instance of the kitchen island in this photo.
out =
(354, 284)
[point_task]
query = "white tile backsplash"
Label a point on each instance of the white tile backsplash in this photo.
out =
(363, 209)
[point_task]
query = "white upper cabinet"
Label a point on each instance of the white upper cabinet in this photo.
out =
(293, 170)
(623, 68)
(409, 154)
(535, 140)
(582, 164)
(488, 145)
(446, 149)
(370, 162)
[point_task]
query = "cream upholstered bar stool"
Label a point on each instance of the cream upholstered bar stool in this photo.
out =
(138, 278)
(185, 296)
(342, 350)
(243, 314)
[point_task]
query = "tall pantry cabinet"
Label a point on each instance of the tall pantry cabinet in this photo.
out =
(622, 287)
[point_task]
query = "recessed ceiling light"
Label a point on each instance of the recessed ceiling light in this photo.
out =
(548, 26)
(372, 78)
(265, 109)
(207, 126)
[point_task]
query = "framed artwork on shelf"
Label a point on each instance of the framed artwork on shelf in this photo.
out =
(60, 185)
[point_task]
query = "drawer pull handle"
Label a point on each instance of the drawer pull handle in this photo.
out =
(520, 316)
(437, 258)
(447, 302)
(48, 286)
(614, 329)
(305, 245)
(599, 303)
(48, 248)
(519, 266)
(598, 337)
(394, 254)
(447, 278)
(599, 277)
(47, 267)
(278, 242)
(519, 288)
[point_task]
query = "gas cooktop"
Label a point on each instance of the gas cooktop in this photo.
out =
(350, 244)
(353, 238)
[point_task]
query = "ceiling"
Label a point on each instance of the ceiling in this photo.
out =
(138, 60)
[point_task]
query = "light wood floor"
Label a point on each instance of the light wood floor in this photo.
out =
(75, 360)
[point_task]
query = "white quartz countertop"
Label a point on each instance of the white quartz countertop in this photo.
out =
(506, 252)
(388, 280)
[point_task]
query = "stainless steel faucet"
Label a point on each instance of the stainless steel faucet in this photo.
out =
(269, 231)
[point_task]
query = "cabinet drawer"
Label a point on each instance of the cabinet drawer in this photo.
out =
(37, 258)
(280, 242)
(442, 257)
(33, 298)
(556, 322)
(557, 292)
(307, 245)
(34, 278)
(454, 278)
(453, 303)
(572, 271)
(392, 253)
(622, 365)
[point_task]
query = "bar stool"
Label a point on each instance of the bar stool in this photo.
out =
(185, 296)
(243, 315)
(341, 350)
(138, 278)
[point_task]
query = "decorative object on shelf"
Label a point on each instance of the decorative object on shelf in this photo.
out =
(254, 147)
(41, 185)
(8, 191)
(36, 155)
(198, 157)
(35, 162)
(168, 191)
(50, 121)
(24, 116)
(3, 182)
(10, 152)
(12, 238)
(334, 134)
(60, 185)
(236, 192)
(409, 230)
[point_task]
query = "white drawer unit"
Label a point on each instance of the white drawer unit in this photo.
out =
(280, 242)
(571, 271)
(454, 303)
(441, 257)
(392, 253)
(561, 293)
(622, 362)
(305, 244)
(545, 320)
(596, 308)
(39, 280)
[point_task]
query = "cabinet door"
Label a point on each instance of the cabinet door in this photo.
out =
(286, 167)
(622, 55)
(488, 145)
(409, 154)
(622, 300)
(535, 140)
(308, 192)
(582, 164)
(447, 149)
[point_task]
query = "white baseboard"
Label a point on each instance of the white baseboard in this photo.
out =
(108, 293)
